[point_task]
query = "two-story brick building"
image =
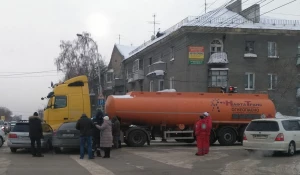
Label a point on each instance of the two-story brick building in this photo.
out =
(114, 80)
(225, 47)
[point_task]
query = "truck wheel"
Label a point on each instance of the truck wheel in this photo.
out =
(137, 138)
(227, 136)
(212, 139)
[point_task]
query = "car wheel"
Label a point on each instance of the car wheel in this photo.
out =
(292, 149)
(13, 150)
(1, 142)
(57, 150)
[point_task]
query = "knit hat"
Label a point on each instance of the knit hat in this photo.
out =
(106, 118)
(35, 114)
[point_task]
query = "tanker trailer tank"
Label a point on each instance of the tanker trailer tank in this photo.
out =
(173, 114)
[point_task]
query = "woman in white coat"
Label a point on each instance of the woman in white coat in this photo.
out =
(106, 138)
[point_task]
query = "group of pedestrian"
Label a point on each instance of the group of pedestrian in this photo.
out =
(202, 131)
(104, 133)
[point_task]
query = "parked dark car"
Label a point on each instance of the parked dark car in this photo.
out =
(66, 136)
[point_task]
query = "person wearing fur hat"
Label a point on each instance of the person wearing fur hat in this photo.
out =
(106, 138)
(35, 134)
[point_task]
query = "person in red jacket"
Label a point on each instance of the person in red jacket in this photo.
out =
(200, 128)
(208, 122)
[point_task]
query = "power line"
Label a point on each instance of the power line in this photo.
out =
(25, 73)
(214, 27)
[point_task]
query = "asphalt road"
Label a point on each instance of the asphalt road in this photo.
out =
(166, 159)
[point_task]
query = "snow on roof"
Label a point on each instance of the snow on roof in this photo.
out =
(124, 50)
(222, 17)
(157, 72)
(219, 57)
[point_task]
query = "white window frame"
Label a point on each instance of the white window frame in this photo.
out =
(159, 88)
(270, 45)
(248, 80)
(210, 77)
(270, 81)
(151, 86)
(213, 45)
(172, 83)
(136, 65)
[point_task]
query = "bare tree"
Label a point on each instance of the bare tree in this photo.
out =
(17, 117)
(80, 57)
(6, 112)
(41, 113)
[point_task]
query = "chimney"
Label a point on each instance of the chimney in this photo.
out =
(235, 7)
(252, 13)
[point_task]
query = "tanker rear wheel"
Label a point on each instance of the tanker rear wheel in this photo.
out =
(137, 138)
(227, 136)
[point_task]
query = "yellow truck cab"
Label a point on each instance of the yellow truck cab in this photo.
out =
(67, 102)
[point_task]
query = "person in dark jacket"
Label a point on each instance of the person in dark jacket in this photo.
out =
(85, 125)
(98, 120)
(35, 134)
(116, 132)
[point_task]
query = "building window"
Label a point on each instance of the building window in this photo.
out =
(151, 86)
(249, 81)
(172, 83)
(218, 78)
(172, 53)
(138, 64)
(109, 77)
(249, 47)
(216, 46)
(272, 81)
(298, 54)
(160, 85)
(150, 61)
(272, 50)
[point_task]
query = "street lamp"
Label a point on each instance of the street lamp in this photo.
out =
(99, 69)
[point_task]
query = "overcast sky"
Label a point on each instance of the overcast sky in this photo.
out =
(31, 31)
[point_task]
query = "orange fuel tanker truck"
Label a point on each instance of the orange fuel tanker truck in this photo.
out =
(172, 115)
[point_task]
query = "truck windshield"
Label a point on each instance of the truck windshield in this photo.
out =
(49, 102)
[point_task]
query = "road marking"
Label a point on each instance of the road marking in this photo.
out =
(181, 159)
(138, 167)
(92, 167)
(4, 163)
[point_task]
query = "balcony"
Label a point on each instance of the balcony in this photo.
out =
(138, 75)
(218, 58)
(118, 82)
(157, 69)
(130, 78)
(108, 85)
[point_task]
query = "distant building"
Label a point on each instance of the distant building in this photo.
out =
(114, 82)
(224, 47)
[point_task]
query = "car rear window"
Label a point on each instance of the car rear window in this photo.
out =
(21, 127)
(67, 126)
(263, 126)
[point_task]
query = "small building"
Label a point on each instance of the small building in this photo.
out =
(114, 82)
(224, 47)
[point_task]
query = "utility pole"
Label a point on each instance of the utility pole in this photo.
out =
(154, 22)
(205, 4)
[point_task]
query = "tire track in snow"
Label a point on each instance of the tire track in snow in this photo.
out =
(241, 167)
(4, 163)
(178, 159)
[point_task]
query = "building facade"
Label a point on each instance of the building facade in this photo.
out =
(231, 48)
(114, 78)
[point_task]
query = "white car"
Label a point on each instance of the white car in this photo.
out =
(2, 138)
(282, 135)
